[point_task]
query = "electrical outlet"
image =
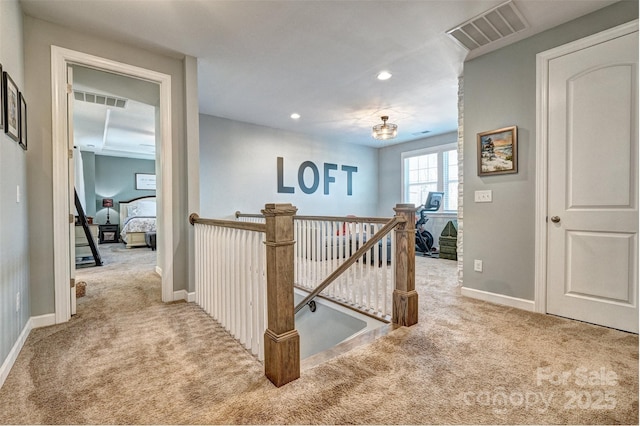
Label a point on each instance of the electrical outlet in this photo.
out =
(18, 302)
(483, 196)
(477, 265)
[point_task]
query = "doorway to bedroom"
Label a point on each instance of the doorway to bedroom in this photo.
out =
(62, 60)
(114, 123)
(114, 135)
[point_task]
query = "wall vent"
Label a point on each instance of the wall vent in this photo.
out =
(493, 25)
(96, 98)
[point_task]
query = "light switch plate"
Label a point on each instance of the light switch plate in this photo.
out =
(477, 265)
(485, 196)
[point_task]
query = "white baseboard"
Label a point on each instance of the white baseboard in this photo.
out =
(43, 321)
(158, 270)
(500, 299)
(184, 295)
(13, 354)
(34, 322)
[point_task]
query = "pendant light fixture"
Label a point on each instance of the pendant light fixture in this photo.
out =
(385, 130)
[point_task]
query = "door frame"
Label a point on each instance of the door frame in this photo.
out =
(60, 59)
(542, 144)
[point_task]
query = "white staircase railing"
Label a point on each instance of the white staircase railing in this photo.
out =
(246, 294)
(230, 278)
(323, 243)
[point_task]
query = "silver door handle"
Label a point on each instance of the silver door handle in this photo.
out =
(555, 219)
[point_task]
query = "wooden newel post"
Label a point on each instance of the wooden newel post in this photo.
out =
(405, 298)
(281, 339)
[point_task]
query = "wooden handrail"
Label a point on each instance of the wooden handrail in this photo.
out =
(355, 219)
(256, 215)
(392, 223)
(246, 226)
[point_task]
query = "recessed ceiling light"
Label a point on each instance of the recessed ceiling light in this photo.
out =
(295, 115)
(384, 75)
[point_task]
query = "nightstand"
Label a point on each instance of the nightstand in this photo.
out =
(109, 233)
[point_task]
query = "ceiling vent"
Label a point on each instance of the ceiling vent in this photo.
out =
(96, 98)
(493, 25)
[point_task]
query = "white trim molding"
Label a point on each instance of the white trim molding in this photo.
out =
(542, 144)
(184, 295)
(43, 321)
(34, 322)
(60, 59)
(500, 299)
(13, 353)
(193, 156)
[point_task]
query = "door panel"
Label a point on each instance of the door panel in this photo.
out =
(613, 250)
(600, 103)
(592, 248)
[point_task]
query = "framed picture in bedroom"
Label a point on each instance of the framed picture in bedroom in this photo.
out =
(23, 122)
(146, 181)
(498, 151)
(11, 107)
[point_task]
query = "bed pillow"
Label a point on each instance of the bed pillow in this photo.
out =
(146, 208)
(132, 211)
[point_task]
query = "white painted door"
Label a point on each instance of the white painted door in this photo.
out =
(71, 191)
(592, 265)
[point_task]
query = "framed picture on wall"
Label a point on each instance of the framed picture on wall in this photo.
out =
(146, 181)
(1, 100)
(11, 106)
(23, 122)
(498, 151)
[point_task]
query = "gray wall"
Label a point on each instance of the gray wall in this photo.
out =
(38, 38)
(14, 250)
(390, 166)
(239, 171)
(500, 91)
(115, 178)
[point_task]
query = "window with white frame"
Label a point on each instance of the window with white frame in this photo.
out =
(431, 169)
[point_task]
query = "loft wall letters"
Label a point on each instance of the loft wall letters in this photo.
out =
(309, 169)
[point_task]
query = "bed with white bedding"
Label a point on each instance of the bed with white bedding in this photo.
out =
(137, 217)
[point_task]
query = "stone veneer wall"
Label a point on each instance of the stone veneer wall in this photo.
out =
(460, 175)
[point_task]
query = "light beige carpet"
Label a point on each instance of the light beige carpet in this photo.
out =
(126, 358)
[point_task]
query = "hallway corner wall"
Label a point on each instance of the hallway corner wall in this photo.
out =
(14, 226)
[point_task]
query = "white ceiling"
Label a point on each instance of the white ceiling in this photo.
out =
(127, 131)
(260, 61)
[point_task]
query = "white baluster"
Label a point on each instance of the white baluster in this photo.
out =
(244, 262)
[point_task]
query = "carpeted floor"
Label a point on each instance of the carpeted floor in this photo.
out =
(126, 358)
